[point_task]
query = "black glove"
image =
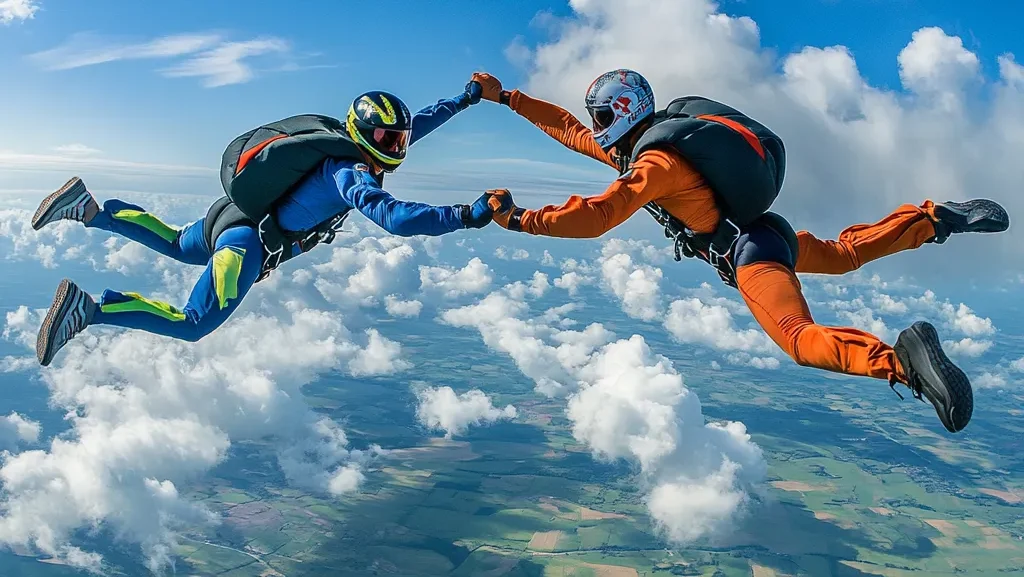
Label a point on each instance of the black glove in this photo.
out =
(477, 215)
(474, 91)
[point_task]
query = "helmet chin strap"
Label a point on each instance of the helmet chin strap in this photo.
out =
(622, 152)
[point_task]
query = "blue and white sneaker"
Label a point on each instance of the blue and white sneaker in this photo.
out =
(72, 202)
(72, 310)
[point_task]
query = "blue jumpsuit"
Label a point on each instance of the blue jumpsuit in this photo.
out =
(236, 260)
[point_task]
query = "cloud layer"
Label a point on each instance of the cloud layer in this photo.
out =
(626, 402)
(150, 413)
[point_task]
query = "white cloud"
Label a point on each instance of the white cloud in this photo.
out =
(867, 145)
(474, 278)
(637, 286)
(966, 347)
(536, 288)
(226, 64)
(745, 359)
(218, 62)
(400, 308)
(1018, 365)
(16, 429)
(76, 150)
(65, 162)
(989, 380)
(358, 274)
(89, 50)
(937, 65)
(496, 318)
(627, 403)
(887, 304)
(11, 10)
(864, 319)
(517, 254)
(960, 317)
(11, 364)
(380, 357)
(148, 414)
(572, 281)
(692, 321)
(440, 408)
(547, 259)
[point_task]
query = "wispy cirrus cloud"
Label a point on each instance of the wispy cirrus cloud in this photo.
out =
(208, 56)
(11, 10)
(225, 63)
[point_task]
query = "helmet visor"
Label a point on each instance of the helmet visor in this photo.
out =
(391, 142)
(601, 117)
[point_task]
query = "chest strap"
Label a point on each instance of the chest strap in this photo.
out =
(716, 248)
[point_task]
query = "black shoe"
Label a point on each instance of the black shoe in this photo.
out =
(71, 202)
(931, 373)
(979, 215)
(72, 310)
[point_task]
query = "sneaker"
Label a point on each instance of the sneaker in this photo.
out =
(72, 202)
(72, 310)
(930, 373)
(979, 215)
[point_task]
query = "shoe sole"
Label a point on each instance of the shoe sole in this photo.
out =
(74, 187)
(62, 300)
(956, 387)
(982, 215)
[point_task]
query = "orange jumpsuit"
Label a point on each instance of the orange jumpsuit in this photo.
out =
(771, 290)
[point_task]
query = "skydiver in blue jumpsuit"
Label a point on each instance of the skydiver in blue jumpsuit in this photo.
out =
(235, 261)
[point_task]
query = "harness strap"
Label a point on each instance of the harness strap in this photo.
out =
(716, 248)
(278, 244)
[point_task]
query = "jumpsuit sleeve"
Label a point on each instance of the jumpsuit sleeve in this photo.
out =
(399, 217)
(559, 124)
(432, 117)
(655, 175)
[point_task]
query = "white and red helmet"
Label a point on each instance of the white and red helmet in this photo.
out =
(617, 101)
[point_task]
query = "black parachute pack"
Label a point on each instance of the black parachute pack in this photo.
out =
(742, 161)
(263, 166)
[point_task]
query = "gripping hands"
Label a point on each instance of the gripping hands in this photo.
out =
(478, 214)
(491, 88)
(506, 213)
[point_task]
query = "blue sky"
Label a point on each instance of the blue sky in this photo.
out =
(421, 51)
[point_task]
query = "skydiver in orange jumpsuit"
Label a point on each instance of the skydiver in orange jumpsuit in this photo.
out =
(709, 173)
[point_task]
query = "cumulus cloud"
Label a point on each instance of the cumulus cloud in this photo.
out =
(572, 281)
(358, 274)
(16, 429)
(400, 308)
(440, 408)
(148, 414)
(381, 356)
(959, 317)
(966, 347)
(625, 402)
(474, 278)
(637, 286)
(690, 320)
(866, 145)
(11, 10)
(517, 254)
(988, 380)
(536, 288)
